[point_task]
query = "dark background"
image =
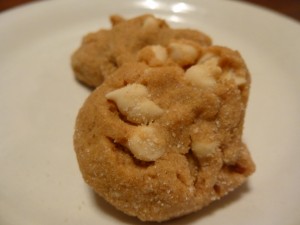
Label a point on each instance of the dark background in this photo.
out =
(290, 8)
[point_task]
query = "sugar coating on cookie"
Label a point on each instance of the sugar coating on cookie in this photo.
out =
(162, 141)
(102, 52)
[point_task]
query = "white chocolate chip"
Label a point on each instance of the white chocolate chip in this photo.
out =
(127, 96)
(182, 53)
(145, 111)
(204, 149)
(153, 55)
(145, 143)
(231, 75)
(160, 53)
(151, 23)
(133, 102)
(210, 61)
(202, 75)
(208, 56)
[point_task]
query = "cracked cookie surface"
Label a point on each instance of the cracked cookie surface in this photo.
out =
(102, 52)
(159, 142)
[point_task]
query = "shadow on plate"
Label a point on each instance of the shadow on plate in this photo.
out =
(188, 219)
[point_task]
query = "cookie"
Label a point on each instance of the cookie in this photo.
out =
(102, 52)
(159, 142)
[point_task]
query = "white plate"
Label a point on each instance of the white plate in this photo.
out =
(40, 182)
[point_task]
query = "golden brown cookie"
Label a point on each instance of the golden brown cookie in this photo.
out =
(161, 142)
(102, 52)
